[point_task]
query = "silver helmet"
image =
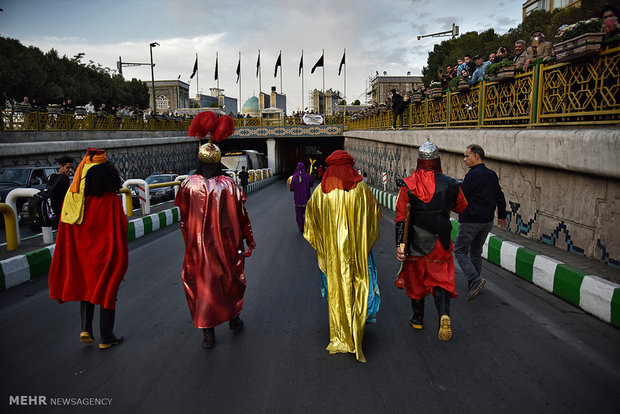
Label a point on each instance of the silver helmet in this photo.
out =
(428, 151)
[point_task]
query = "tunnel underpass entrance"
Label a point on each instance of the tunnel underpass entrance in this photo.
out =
(293, 150)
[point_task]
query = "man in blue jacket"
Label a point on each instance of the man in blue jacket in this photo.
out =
(483, 193)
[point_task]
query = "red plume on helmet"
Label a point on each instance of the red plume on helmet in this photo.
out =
(225, 128)
(203, 123)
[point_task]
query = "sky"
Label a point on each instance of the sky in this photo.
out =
(378, 35)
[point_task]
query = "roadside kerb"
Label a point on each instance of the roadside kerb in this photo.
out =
(591, 293)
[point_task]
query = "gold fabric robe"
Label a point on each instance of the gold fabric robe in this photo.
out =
(342, 226)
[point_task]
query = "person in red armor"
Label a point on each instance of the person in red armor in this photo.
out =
(214, 224)
(428, 264)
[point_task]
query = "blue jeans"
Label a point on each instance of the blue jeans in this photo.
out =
(468, 249)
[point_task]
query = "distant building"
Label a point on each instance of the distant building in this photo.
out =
(250, 107)
(548, 5)
(228, 104)
(380, 86)
(170, 95)
(325, 102)
(266, 101)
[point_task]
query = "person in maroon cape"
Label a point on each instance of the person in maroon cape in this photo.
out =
(214, 224)
(300, 185)
(91, 254)
(428, 264)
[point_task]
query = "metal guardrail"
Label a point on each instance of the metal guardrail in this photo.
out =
(10, 226)
(19, 119)
(573, 93)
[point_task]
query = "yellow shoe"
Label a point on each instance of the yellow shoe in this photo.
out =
(112, 342)
(416, 324)
(445, 329)
(86, 337)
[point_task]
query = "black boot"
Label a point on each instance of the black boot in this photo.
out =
(87, 311)
(209, 334)
(106, 327)
(442, 302)
(417, 319)
(236, 324)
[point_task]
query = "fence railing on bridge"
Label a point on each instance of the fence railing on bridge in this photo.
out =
(26, 120)
(583, 93)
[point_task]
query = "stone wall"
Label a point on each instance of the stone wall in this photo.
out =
(562, 187)
(134, 157)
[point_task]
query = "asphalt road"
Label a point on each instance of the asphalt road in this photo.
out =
(515, 348)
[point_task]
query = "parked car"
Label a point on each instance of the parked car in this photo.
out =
(27, 176)
(158, 195)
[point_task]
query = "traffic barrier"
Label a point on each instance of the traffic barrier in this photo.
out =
(591, 293)
(10, 226)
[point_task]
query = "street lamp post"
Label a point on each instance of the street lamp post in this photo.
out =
(152, 45)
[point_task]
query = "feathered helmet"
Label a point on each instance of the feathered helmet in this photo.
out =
(218, 128)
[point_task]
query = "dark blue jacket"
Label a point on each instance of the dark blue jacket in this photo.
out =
(483, 193)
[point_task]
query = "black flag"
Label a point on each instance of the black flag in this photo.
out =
(341, 63)
(278, 63)
(258, 64)
(319, 63)
(195, 68)
(215, 67)
(238, 70)
(301, 63)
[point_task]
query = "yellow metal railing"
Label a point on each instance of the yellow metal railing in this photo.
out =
(9, 226)
(35, 121)
(574, 93)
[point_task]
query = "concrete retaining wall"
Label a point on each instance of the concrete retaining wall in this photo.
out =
(562, 186)
(134, 156)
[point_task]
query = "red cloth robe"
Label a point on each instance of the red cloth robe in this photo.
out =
(214, 223)
(423, 273)
(90, 259)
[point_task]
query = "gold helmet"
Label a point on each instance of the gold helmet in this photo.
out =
(209, 153)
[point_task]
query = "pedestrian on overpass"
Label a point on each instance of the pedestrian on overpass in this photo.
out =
(91, 254)
(428, 267)
(301, 182)
(244, 178)
(342, 224)
(214, 224)
(483, 192)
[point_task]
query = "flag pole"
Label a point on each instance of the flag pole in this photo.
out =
(345, 83)
(197, 90)
(324, 100)
(239, 111)
(302, 81)
(218, 79)
(260, 91)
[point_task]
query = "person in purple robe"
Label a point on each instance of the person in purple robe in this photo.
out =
(300, 185)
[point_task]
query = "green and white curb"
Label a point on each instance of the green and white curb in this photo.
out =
(591, 293)
(385, 199)
(23, 268)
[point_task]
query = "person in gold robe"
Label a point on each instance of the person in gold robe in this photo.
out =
(342, 224)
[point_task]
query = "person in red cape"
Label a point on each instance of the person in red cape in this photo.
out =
(91, 254)
(428, 263)
(214, 224)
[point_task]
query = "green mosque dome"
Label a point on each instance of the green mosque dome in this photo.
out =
(250, 106)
